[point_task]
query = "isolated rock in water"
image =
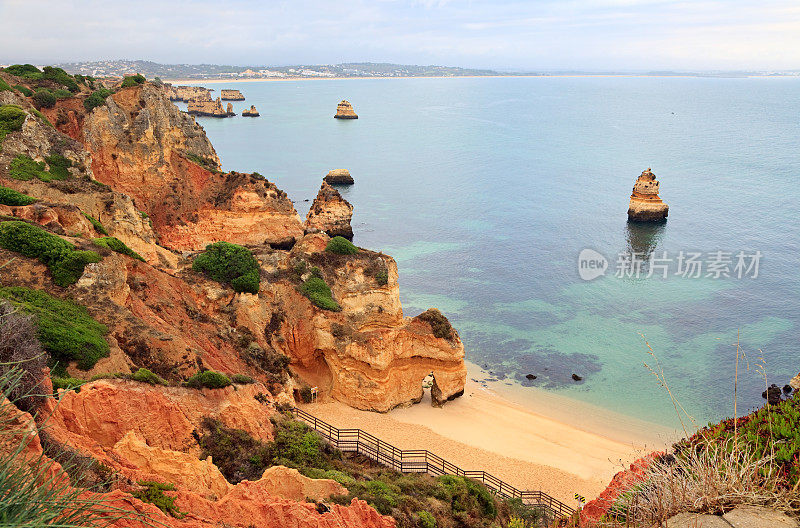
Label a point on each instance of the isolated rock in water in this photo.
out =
(772, 394)
(530, 377)
(208, 108)
(645, 205)
(229, 110)
(345, 111)
(787, 389)
(330, 213)
(231, 95)
(576, 377)
(339, 177)
(250, 113)
(795, 383)
(187, 93)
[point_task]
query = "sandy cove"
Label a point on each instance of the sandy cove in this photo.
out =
(485, 431)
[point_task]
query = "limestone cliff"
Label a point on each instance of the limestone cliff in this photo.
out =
(231, 95)
(252, 112)
(330, 213)
(645, 205)
(187, 93)
(143, 146)
(344, 110)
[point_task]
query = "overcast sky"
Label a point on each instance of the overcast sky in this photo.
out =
(500, 34)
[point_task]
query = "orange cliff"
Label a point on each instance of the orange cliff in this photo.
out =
(645, 205)
(330, 213)
(143, 146)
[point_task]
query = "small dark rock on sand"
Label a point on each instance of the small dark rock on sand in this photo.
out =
(576, 377)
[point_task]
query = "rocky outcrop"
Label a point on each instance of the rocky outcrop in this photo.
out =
(231, 95)
(290, 484)
(203, 108)
(144, 147)
(252, 112)
(645, 205)
(339, 177)
(344, 110)
(795, 383)
(330, 213)
(187, 93)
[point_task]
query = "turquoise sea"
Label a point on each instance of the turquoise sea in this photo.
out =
(485, 191)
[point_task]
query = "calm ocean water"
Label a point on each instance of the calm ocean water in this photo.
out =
(486, 190)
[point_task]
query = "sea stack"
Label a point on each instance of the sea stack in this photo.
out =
(339, 177)
(208, 108)
(250, 113)
(231, 95)
(330, 213)
(645, 205)
(345, 111)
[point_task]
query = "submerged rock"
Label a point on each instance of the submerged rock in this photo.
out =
(339, 177)
(345, 111)
(645, 205)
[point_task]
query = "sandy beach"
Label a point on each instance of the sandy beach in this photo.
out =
(485, 431)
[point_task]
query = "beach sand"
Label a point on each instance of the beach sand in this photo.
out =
(483, 430)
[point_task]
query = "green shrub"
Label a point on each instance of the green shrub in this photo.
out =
(319, 293)
(27, 92)
(44, 99)
(341, 246)
(65, 263)
(66, 330)
(12, 197)
(61, 93)
(133, 80)
(145, 376)
(11, 119)
(295, 445)
(426, 520)
(97, 225)
(206, 163)
(242, 379)
(66, 384)
(59, 166)
(153, 493)
(115, 244)
(238, 455)
(382, 277)
(28, 71)
(4, 86)
(439, 324)
(61, 77)
(97, 98)
(467, 494)
(209, 379)
(230, 264)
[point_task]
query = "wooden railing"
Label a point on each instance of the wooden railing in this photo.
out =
(423, 461)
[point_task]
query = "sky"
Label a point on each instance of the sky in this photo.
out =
(533, 35)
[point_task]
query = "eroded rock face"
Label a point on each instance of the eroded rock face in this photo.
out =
(141, 145)
(330, 213)
(208, 108)
(290, 484)
(344, 110)
(339, 177)
(645, 205)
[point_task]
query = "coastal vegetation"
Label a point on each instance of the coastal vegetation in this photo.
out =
(208, 379)
(341, 246)
(21, 89)
(12, 197)
(66, 330)
(96, 224)
(44, 98)
(24, 168)
(133, 80)
(97, 98)
(153, 493)
(11, 119)
(319, 293)
(65, 261)
(439, 324)
(230, 264)
(117, 245)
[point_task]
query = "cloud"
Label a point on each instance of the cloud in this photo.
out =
(538, 34)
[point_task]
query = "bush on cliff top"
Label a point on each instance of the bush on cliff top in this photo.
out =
(12, 197)
(341, 246)
(24, 168)
(4, 86)
(27, 92)
(65, 262)
(98, 98)
(117, 245)
(133, 80)
(209, 379)
(66, 329)
(61, 77)
(145, 376)
(44, 98)
(439, 324)
(230, 264)
(26, 71)
(11, 119)
(319, 293)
